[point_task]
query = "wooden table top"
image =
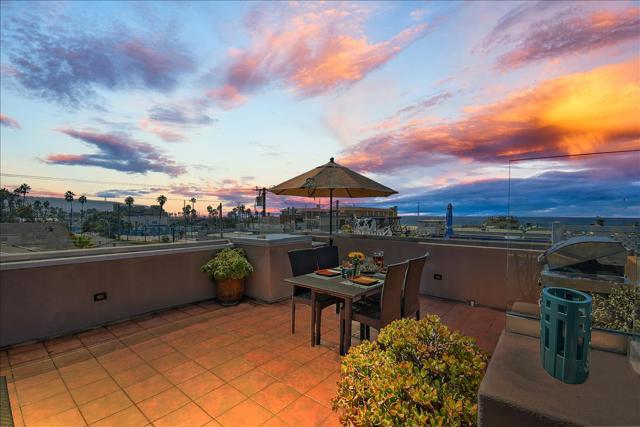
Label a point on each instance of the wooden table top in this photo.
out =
(336, 286)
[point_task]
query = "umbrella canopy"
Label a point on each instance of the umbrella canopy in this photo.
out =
(449, 226)
(332, 180)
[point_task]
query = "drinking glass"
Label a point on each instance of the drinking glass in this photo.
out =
(378, 258)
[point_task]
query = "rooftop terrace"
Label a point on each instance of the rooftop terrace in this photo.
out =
(199, 364)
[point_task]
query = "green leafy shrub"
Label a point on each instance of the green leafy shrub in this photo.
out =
(229, 263)
(619, 311)
(417, 373)
(81, 241)
(165, 239)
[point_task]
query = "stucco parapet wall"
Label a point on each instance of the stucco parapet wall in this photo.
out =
(495, 244)
(271, 240)
(86, 256)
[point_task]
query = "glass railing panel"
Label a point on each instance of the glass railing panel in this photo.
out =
(586, 209)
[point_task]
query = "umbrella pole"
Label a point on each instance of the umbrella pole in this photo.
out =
(331, 217)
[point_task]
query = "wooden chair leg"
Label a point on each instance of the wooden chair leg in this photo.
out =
(318, 322)
(362, 332)
(338, 308)
(418, 315)
(368, 332)
(293, 317)
(341, 333)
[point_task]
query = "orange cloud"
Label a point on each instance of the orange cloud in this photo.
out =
(591, 111)
(311, 48)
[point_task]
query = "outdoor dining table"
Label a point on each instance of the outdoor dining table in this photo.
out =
(339, 287)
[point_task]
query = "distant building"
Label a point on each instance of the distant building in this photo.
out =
(143, 216)
(431, 227)
(502, 222)
(318, 218)
(58, 202)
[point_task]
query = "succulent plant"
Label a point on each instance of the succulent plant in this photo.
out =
(416, 373)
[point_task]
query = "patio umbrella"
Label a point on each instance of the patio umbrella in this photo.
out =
(449, 227)
(331, 180)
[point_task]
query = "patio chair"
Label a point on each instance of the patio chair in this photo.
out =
(378, 314)
(327, 257)
(304, 261)
(411, 289)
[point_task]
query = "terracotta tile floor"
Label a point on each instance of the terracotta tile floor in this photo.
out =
(198, 365)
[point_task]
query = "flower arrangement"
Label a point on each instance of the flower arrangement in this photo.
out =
(229, 263)
(356, 256)
(416, 373)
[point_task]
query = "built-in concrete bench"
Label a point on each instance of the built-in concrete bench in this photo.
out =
(517, 391)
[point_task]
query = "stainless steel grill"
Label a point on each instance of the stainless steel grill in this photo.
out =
(588, 263)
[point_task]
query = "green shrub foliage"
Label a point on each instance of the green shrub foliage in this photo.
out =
(229, 263)
(81, 241)
(417, 373)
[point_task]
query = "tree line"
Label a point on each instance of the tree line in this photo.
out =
(14, 207)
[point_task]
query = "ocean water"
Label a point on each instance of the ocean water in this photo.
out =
(540, 221)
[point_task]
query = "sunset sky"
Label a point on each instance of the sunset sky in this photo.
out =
(209, 100)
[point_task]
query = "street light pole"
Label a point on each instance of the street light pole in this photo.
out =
(220, 209)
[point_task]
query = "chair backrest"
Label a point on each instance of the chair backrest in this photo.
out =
(327, 256)
(303, 261)
(391, 299)
(411, 291)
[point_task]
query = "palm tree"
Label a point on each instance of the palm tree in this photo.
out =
(68, 196)
(129, 202)
(161, 201)
(194, 214)
(37, 209)
(82, 199)
(45, 210)
(249, 216)
(6, 195)
(210, 210)
(23, 189)
(186, 211)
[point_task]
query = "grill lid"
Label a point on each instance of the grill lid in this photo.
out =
(577, 252)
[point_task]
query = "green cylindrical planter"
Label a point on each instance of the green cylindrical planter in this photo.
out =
(565, 334)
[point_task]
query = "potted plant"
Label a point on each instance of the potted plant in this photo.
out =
(228, 268)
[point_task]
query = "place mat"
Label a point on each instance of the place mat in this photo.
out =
(327, 273)
(321, 277)
(377, 275)
(365, 281)
(350, 283)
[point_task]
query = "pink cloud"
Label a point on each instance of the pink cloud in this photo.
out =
(227, 97)
(161, 130)
(568, 34)
(311, 48)
(577, 113)
(9, 122)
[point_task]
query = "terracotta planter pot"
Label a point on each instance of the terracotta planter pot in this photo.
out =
(230, 291)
